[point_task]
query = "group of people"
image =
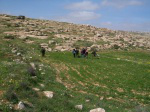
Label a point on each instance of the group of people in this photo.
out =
(75, 52)
(84, 53)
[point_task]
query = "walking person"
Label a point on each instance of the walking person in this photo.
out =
(77, 53)
(74, 53)
(86, 53)
(43, 51)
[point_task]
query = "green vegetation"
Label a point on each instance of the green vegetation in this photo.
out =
(117, 81)
(120, 79)
(81, 43)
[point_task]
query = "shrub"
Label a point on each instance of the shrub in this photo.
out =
(24, 86)
(31, 71)
(116, 46)
(9, 37)
(81, 43)
(11, 95)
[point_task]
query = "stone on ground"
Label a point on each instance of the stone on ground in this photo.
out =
(79, 107)
(97, 110)
(48, 94)
(21, 105)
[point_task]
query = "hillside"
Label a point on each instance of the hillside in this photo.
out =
(116, 81)
(61, 36)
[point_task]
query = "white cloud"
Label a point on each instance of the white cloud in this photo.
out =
(80, 16)
(84, 5)
(121, 3)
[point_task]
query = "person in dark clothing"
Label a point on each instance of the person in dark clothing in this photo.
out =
(74, 53)
(83, 52)
(94, 53)
(86, 53)
(77, 53)
(43, 51)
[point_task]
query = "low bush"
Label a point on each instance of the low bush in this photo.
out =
(31, 71)
(9, 37)
(11, 95)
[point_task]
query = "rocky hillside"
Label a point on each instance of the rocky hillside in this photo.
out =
(61, 36)
(114, 81)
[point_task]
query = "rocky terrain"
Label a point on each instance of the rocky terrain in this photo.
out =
(116, 80)
(61, 36)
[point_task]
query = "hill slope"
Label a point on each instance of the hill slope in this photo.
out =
(61, 36)
(117, 81)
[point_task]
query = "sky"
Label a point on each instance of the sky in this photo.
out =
(128, 15)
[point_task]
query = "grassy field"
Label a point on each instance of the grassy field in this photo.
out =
(118, 81)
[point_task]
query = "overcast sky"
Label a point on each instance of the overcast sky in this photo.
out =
(131, 15)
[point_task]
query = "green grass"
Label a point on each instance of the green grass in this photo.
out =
(123, 84)
(120, 78)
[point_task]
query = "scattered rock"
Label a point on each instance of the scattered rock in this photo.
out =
(42, 73)
(42, 85)
(18, 54)
(51, 42)
(14, 50)
(120, 90)
(80, 107)
(49, 49)
(21, 105)
(36, 89)
(101, 98)
(28, 104)
(33, 66)
(48, 94)
(87, 100)
(97, 110)
(23, 37)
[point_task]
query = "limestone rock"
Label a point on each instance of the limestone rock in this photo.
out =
(48, 94)
(97, 110)
(18, 54)
(49, 49)
(36, 89)
(21, 105)
(23, 37)
(42, 85)
(33, 66)
(14, 50)
(80, 107)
